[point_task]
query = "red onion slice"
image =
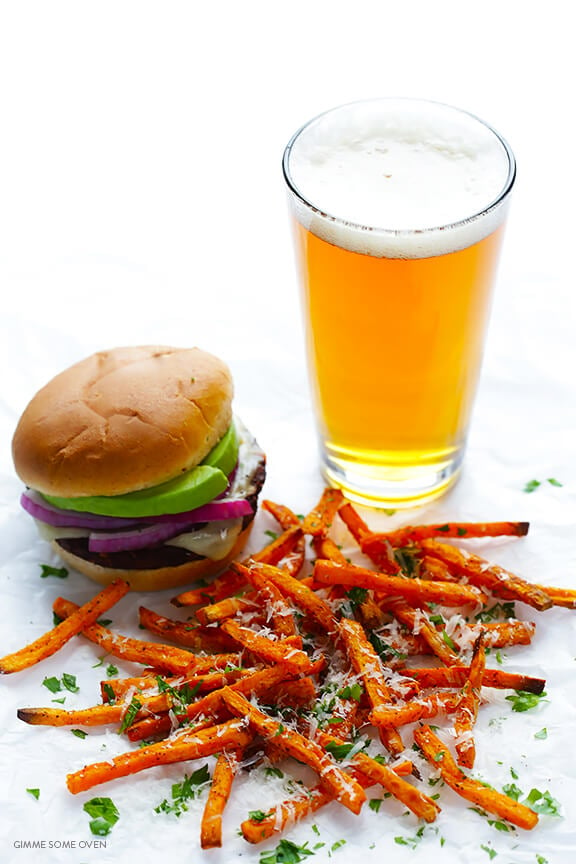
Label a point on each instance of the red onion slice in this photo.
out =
(152, 535)
(217, 509)
(34, 504)
(138, 538)
(40, 509)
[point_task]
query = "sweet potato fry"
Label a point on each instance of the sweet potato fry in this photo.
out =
(76, 622)
(354, 522)
(468, 705)
(182, 747)
(379, 550)
(432, 568)
(220, 788)
(480, 572)
(98, 715)
(285, 517)
(455, 676)
(266, 684)
(165, 657)
(437, 641)
(560, 596)
(298, 807)
(318, 522)
(366, 663)
(227, 608)
(160, 725)
(192, 636)
(565, 597)
(324, 547)
(344, 716)
(346, 790)
(293, 810)
(231, 581)
(279, 613)
(303, 596)
(259, 684)
(281, 651)
(484, 796)
(387, 776)
(415, 591)
(197, 683)
(393, 716)
(501, 634)
(460, 530)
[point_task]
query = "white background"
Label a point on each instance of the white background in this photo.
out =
(141, 200)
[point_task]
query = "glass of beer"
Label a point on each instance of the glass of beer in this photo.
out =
(398, 208)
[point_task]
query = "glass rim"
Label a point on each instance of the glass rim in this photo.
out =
(399, 232)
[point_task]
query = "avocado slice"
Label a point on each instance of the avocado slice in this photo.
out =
(185, 492)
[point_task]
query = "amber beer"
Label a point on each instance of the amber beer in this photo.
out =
(399, 208)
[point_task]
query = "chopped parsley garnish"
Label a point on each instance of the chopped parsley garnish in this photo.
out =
(272, 534)
(352, 691)
(185, 791)
(542, 734)
(130, 714)
(539, 802)
(286, 852)
(523, 701)
(79, 733)
(111, 670)
(109, 691)
(257, 815)
(69, 683)
(448, 640)
(532, 485)
(181, 697)
(512, 791)
(542, 802)
(104, 815)
(499, 610)
(357, 596)
(53, 684)
(443, 528)
(104, 622)
(47, 570)
(407, 559)
(412, 842)
(34, 792)
(491, 852)
(339, 751)
(383, 649)
(499, 825)
(375, 804)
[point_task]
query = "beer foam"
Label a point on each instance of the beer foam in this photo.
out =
(399, 178)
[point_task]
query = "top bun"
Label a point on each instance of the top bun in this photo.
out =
(123, 420)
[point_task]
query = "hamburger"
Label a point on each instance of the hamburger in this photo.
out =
(135, 466)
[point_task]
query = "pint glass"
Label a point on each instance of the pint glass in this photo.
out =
(398, 208)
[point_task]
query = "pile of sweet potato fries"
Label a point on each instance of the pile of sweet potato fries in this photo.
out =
(315, 661)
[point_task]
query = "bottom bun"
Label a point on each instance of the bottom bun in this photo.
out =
(158, 578)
